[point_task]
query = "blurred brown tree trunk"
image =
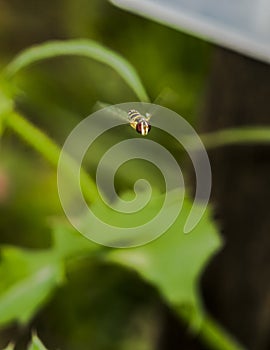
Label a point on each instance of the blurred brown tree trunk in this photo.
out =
(236, 284)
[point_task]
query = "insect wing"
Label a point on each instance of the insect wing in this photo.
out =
(148, 116)
(115, 112)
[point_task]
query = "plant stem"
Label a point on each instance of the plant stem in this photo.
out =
(48, 149)
(84, 48)
(214, 336)
(210, 332)
(232, 136)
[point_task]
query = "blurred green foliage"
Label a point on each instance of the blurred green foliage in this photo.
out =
(36, 344)
(99, 304)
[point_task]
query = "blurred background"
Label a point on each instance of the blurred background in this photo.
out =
(212, 88)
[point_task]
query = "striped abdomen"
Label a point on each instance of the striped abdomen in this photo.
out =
(134, 115)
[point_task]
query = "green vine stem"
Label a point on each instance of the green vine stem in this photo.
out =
(209, 331)
(227, 137)
(48, 149)
(215, 337)
(236, 136)
(80, 47)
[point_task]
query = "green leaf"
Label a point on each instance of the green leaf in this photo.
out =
(174, 262)
(27, 279)
(112, 226)
(68, 242)
(36, 344)
(82, 47)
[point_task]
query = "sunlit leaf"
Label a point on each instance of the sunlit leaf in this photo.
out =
(36, 344)
(174, 262)
(85, 48)
(27, 279)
